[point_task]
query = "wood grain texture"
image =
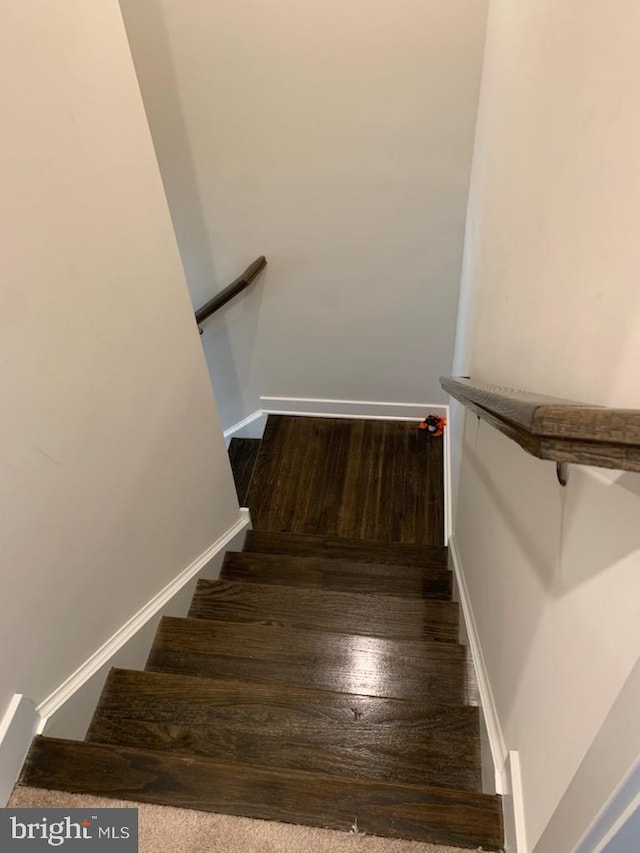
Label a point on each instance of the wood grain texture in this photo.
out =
(319, 681)
(521, 408)
(338, 575)
(376, 480)
(292, 728)
(403, 811)
(369, 666)
(355, 550)
(326, 610)
(555, 429)
(243, 453)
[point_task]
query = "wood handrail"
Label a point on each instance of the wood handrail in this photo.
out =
(564, 431)
(231, 290)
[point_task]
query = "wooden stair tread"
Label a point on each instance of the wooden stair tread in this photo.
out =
(357, 550)
(292, 728)
(371, 666)
(243, 453)
(342, 612)
(434, 815)
(337, 574)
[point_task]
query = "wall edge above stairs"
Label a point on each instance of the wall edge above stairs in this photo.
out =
(66, 711)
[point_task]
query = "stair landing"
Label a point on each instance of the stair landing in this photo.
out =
(374, 480)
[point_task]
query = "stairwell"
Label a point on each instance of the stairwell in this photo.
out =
(320, 680)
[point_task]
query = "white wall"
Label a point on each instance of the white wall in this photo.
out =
(113, 469)
(612, 763)
(336, 139)
(552, 304)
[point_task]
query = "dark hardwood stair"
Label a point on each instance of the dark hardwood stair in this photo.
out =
(372, 666)
(283, 727)
(320, 680)
(346, 612)
(341, 548)
(413, 811)
(337, 575)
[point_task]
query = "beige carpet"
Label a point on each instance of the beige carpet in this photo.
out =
(163, 829)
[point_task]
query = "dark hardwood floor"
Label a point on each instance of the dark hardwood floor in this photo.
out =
(320, 680)
(375, 480)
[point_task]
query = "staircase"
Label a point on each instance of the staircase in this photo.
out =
(319, 681)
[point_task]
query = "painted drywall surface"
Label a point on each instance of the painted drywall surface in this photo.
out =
(626, 840)
(611, 764)
(553, 305)
(72, 719)
(114, 474)
(336, 139)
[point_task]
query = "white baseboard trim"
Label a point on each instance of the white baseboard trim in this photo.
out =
(369, 410)
(245, 422)
(515, 835)
(358, 409)
(17, 729)
(447, 479)
(499, 752)
(126, 632)
(506, 762)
